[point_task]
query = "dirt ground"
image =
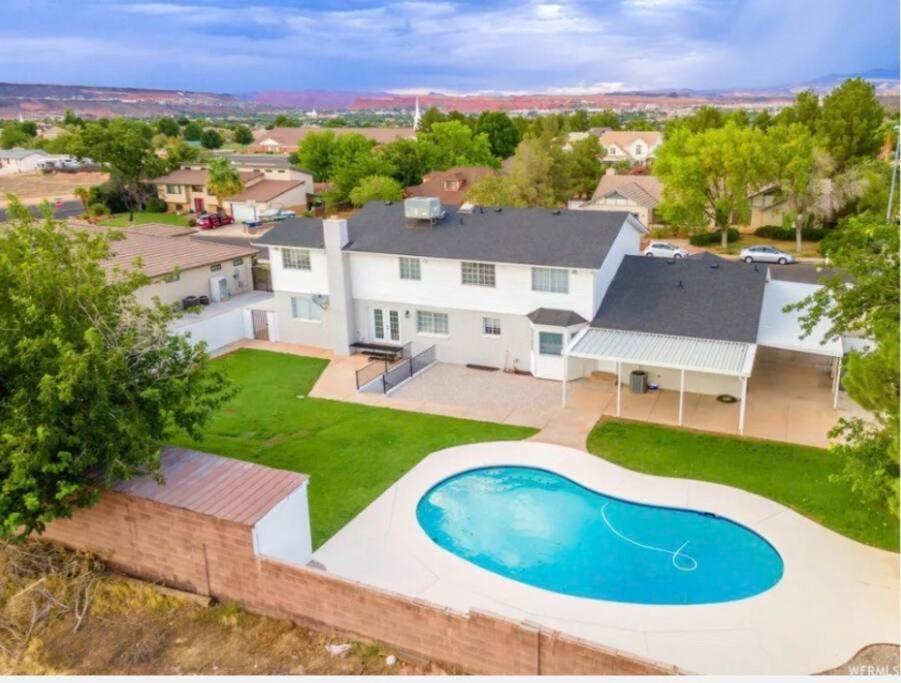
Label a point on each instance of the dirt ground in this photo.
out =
(132, 627)
(37, 186)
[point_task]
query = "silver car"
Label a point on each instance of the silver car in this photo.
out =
(766, 254)
(664, 249)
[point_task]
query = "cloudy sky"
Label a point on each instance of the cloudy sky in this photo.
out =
(241, 46)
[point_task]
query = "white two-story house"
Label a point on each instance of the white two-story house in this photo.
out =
(635, 146)
(503, 288)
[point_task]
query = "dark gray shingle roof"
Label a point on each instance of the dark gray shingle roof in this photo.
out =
(808, 273)
(555, 317)
(573, 239)
(294, 232)
(717, 299)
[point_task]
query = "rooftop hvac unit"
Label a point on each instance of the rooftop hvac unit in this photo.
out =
(423, 209)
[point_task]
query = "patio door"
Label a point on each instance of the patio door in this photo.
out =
(385, 325)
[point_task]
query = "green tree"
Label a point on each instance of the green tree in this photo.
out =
(503, 136)
(169, 127)
(585, 166)
(315, 153)
(705, 118)
(285, 121)
(223, 180)
(432, 116)
(30, 128)
(183, 120)
(850, 122)
(125, 148)
(805, 110)
(70, 119)
(604, 119)
(192, 131)
(800, 171)
(91, 383)
(353, 159)
(243, 135)
(708, 176)
(492, 190)
(579, 121)
(13, 136)
(763, 120)
(211, 139)
(408, 160)
(376, 188)
(864, 250)
(454, 144)
(178, 152)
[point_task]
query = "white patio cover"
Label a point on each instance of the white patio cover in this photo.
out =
(783, 330)
(665, 351)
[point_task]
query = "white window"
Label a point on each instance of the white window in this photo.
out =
(491, 327)
(215, 267)
(429, 322)
(173, 189)
(550, 343)
(550, 280)
(303, 308)
(479, 274)
(295, 259)
(638, 149)
(409, 268)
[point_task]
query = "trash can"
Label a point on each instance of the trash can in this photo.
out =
(638, 382)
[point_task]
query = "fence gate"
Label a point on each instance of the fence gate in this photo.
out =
(260, 325)
(262, 278)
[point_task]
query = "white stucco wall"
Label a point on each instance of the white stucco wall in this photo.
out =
(313, 281)
(196, 282)
(217, 331)
(284, 533)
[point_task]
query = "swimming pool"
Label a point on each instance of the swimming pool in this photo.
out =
(547, 531)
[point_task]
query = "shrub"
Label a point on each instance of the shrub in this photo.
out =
(703, 239)
(192, 222)
(97, 210)
(777, 232)
(155, 205)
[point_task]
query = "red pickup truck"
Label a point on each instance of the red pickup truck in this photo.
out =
(208, 221)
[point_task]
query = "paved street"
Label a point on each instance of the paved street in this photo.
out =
(66, 210)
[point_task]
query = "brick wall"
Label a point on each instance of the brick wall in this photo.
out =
(214, 557)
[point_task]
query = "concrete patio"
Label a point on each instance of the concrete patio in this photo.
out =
(786, 401)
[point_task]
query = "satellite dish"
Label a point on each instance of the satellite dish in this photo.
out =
(321, 300)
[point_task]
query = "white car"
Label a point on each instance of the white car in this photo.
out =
(765, 254)
(665, 249)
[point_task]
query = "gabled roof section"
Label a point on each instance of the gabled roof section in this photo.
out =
(624, 138)
(294, 232)
(644, 190)
(265, 190)
(705, 298)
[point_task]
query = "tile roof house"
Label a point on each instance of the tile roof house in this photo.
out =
(282, 140)
(450, 186)
(639, 194)
(637, 146)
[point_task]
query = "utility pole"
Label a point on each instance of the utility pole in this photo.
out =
(891, 192)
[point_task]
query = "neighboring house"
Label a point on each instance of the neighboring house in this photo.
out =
(187, 190)
(286, 140)
(638, 194)
(267, 195)
(767, 208)
(450, 186)
(500, 288)
(273, 166)
(635, 146)
(180, 266)
(18, 160)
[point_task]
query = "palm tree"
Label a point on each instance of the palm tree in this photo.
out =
(84, 196)
(224, 180)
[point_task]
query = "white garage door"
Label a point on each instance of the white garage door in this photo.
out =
(244, 212)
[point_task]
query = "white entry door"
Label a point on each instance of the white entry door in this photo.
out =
(547, 352)
(385, 325)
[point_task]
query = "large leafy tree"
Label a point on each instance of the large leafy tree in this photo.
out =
(503, 135)
(243, 135)
(315, 153)
(865, 250)
(125, 148)
(850, 122)
(223, 180)
(585, 166)
(709, 176)
(376, 188)
(91, 383)
(168, 126)
(408, 160)
(453, 143)
(211, 139)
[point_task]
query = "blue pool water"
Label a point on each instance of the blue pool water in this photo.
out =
(545, 530)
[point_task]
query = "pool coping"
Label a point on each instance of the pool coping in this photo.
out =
(835, 596)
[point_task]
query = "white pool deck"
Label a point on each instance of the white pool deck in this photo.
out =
(835, 597)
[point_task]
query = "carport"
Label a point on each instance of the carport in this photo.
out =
(782, 330)
(672, 352)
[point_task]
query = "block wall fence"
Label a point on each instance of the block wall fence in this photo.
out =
(215, 557)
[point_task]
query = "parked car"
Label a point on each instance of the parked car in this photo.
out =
(270, 215)
(665, 249)
(766, 254)
(208, 221)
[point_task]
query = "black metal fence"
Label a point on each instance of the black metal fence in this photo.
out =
(384, 376)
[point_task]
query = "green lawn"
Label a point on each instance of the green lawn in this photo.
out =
(120, 220)
(796, 476)
(351, 452)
